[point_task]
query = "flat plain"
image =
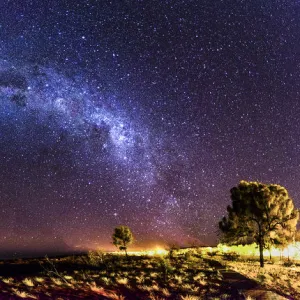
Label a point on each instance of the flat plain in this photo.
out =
(177, 274)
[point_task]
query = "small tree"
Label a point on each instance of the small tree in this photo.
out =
(122, 237)
(260, 213)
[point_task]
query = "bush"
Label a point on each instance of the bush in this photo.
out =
(165, 268)
(199, 253)
(188, 255)
(173, 252)
(261, 278)
(288, 263)
(212, 253)
(96, 258)
(231, 256)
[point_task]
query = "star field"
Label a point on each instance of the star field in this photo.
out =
(142, 113)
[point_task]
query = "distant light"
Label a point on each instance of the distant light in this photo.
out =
(155, 252)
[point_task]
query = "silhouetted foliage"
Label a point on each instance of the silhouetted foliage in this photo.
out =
(122, 237)
(231, 256)
(261, 213)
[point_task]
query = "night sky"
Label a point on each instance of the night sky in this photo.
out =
(142, 113)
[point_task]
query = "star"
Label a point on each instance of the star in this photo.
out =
(140, 115)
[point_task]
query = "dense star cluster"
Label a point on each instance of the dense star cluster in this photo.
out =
(142, 113)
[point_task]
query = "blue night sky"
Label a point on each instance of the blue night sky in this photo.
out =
(142, 113)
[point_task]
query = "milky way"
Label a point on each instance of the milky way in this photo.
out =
(143, 114)
(89, 158)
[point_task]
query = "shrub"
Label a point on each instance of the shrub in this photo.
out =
(173, 252)
(199, 253)
(96, 258)
(212, 253)
(261, 278)
(288, 263)
(165, 267)
(188, 255)
(231, 256)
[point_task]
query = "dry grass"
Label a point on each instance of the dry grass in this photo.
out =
(8, 280)
(23, 294)
(28, 282)
(190, 297)
(189, 275)
(273, 276)
(123, 281)
(39, 279)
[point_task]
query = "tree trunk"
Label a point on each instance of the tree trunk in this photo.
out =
(126, 253)
(261, 254)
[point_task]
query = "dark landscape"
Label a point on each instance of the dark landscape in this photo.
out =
(195, 273)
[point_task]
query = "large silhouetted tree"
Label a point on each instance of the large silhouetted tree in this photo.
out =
(260, 213)
(122, 237)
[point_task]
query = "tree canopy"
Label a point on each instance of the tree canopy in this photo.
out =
(261, 213)
(122, 237)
